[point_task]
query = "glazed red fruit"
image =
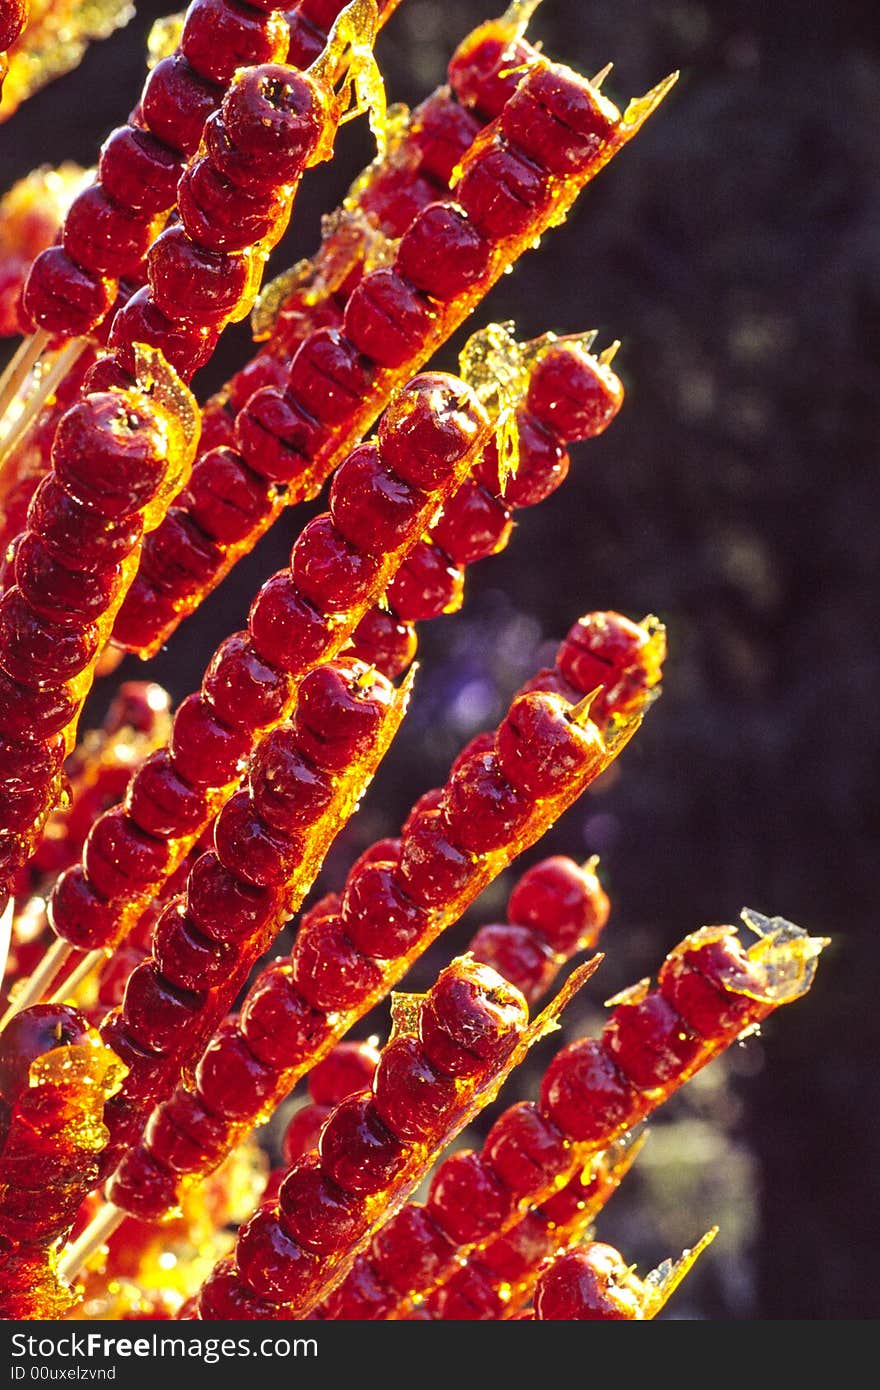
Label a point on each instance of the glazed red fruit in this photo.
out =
(379, 917)
(230, 1079)
(328, 377)
(221, 905)
(77, 536)
(710, 986)
(287, 630)
(481, 808)
(220, 36)
(433, 871)
(104, 236)
(485, 70)
(599, 648)
(224, 497)
(176, 102)
(322, 1217)
(155, 1012)
(288, 791)
(383, 641)
(357, 1150)
(32, 1033)
(276, 436)
(273, 117)
(562, 902)
(540, 748)
(572, 394)
(242, 688)
(466, 1199)
(191, 283)
(110, 455)
(426, 585)
(329, 970)
(518, 955)
(413, 1099)
(501, 192)
(470, 1022)
(62, 297)
(649, 1042)
(139, 171)
(187, 345)
(251, 850)
(387, 319)
(525, 1150)
(587, 1096)
(473, 526)
(347, 1068)
(442, 254)
(303, 1132)
(371, 507)
(338, 713)
(278, 1022)
(270, 1262)
(555, 119)
(409, 1251)
(423, 434)
(590, 1285)
(332, 574)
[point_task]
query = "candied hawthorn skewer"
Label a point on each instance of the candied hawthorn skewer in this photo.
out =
(349, 954)
(240, 894)
(234, 199)
(447, 1057)
(416, 169)
(97, 772)
(569, 395)
(711, 990)
(55, 1076)
(596, 1284)
(497, 1280)
(451, 255)
(118, 457)
(385, 496)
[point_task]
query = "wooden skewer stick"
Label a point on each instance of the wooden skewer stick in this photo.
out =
(47, 387)
(45, 975)
(98, 1231)
(20, 366)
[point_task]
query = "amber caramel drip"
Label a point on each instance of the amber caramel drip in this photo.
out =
(348, 71)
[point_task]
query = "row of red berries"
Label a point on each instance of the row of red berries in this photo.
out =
(594, 1090)
(556, 906)
(397, 315)
(113, 454)
(383, 497)
(239, 894)
(372, 1148)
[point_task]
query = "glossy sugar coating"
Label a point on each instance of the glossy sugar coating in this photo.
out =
(301, 616)
(117, 458)
(497, 1280)
(389, 327)
(569, 395)
(111, 225)
(592, 1093)
(349, 953)
(594, 1284)
(291, 1253)
(54, 1079)
(205, 943)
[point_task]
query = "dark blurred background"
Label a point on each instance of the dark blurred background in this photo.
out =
(733, 248)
